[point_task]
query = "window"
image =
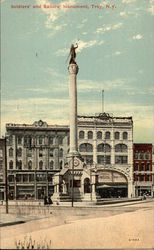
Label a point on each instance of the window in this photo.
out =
(120, 148)
(141, 177)
(11, 152)
(18, 177)
(90, 135)
(51, 140)
(51, 152)
(88, 159)
(137, 178)
(11, 178)
(136, 167)
(116, 135)
(30, 165)
(136, 155)
(40, 152)
(19, 152)
(142, 156)
(99, 135)
(60, 140)
(51, 164)
(19, 165)
(81, 135)
(125, 135)
(119, 159)
(1, 165)
(147, 155)
(40, 140)
(148, 167)
(147, 177)
(103, 148)
(103, 159)
(107, 135)
(29, 152)
(31, 177)
(11, 165)
(19, 140)
(61, 164)
(86, 147)
(142, 167)
(10, 140)
(61, 152)
(25, 178)
(27, 141)
(41, 165)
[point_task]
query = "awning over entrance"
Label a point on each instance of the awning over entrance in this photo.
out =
(112, 186)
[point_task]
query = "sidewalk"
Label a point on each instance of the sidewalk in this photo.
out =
(12, 219)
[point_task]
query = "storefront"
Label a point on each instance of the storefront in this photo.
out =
(111, 184)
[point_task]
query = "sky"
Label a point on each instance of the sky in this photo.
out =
(115, 54)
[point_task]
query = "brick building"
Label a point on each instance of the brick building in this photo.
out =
(142, 158)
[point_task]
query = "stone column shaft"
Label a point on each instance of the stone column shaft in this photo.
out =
(73, 70)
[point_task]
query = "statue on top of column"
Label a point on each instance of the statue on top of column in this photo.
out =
(73, 54)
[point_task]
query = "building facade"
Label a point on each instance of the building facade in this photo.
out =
(35, 153)
(143, 177)
(2, 169)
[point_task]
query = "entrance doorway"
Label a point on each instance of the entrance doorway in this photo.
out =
(86, 185)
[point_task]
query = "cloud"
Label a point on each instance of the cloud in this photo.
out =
(128, 1)
(108, 27)
(81, 45)
(151, 8)
(53, 14)
(138, 37)
(117, 53)
(122, 13)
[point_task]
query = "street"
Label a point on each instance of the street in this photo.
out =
(130, 226)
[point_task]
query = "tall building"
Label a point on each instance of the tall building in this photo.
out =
(34, 154)
(2, 169)
(143, 169)
(38, 151)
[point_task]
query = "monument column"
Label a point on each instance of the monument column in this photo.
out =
(73, 70)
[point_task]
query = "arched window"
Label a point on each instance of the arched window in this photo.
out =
(51, 140)
(19, 140)
(41, 165)
(11, 152)
(90, 135)
(29, 165)
(120, 148)
(86, 147)
(40, 152)
(103, 148)
(116, 135)
(147, 155)
(81, 135)
(19, 165)
(11, 165)
(41, 140)
(125, 135)
(61, 164)
(51, 164)
(107, 135)
(19, 152)
(51, 152)
(99, 135)
(61, 152)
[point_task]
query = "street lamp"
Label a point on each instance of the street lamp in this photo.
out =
(72, 181)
